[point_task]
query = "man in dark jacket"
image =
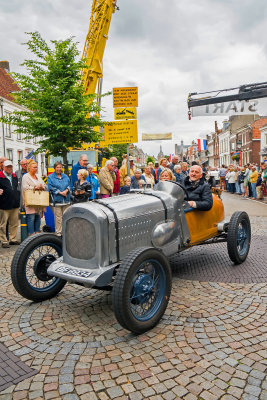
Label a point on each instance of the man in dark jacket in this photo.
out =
(199, 193)
(9, 204)
(81, 164)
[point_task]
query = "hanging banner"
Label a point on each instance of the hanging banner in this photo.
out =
(228, 108)
(156, 136)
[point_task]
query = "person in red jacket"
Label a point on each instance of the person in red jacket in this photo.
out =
(116, 190)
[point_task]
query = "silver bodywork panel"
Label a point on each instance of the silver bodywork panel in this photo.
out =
(97, 235)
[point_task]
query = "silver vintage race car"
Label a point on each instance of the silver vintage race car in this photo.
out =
(123, 244)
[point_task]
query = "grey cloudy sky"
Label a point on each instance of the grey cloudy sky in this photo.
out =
(167, 48)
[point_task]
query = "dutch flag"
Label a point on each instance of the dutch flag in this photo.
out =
(202, 144)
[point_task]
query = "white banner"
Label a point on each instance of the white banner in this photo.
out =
(156, 136)
(228, 108)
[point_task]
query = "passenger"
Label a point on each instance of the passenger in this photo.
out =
(166, 175)
(199, 194)
(127, 183)
(81, 191)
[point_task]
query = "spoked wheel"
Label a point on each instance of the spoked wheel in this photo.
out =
(29, 267)
(142, 289)
(239, 237)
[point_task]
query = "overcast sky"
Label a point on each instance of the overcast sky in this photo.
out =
(167, 48)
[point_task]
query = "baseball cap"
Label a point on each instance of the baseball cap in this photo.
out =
(8, 163)
(131, 158)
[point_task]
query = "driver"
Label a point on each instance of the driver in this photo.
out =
(199, 195)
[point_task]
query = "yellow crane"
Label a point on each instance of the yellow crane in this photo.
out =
(101, 14)
(95, 43)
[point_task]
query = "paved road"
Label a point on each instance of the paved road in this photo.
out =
(211, 343)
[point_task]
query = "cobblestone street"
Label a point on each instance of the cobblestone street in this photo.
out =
(211, 343)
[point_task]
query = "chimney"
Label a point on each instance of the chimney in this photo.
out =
(5, 65)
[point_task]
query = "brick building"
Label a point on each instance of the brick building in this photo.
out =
(248, 140)
(12, 145)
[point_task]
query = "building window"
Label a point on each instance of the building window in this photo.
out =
(19, 136)
(7, 127)
(9, 154)
(20, 156)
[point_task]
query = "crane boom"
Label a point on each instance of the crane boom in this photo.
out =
(246, 92)
(95, 42)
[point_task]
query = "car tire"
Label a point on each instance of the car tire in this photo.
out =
(29, 267)
(239, 237)
(142, 289)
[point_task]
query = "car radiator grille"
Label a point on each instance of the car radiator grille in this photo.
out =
(80, 238)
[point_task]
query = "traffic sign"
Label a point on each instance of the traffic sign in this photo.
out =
(125, 113)
(121, 132)
(125, 97)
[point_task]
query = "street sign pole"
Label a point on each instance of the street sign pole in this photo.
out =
(128, 161)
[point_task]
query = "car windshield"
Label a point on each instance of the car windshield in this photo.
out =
(74, 156)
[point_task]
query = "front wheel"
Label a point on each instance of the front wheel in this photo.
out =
(142, 289)
(239, 237)
(29, 267)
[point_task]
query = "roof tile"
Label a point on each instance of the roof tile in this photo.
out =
(7, 85)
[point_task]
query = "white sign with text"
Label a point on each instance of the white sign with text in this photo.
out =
(228, 108)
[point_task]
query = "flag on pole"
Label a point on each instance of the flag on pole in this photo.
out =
(202, 144)
(30, 155)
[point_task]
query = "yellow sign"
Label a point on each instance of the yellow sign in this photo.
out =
(121, 132)
(125, 113)
(157, 136)
(125, 97)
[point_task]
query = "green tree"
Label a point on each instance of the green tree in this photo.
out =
(57, 110)
(150, 159)
(118, 150)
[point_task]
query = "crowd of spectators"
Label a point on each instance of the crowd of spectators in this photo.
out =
(248, 181)
(84, 185)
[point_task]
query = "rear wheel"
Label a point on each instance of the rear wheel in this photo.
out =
(29, 267)
(142, 289)
(239, 237)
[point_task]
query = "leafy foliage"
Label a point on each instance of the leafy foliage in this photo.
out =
(150, 159)
(118, 150)
(57, 110)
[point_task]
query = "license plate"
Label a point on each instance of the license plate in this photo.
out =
(73, 272)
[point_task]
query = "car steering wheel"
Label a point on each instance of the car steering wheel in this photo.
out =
(182, 187)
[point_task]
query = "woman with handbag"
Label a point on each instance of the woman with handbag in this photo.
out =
(32, 183)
